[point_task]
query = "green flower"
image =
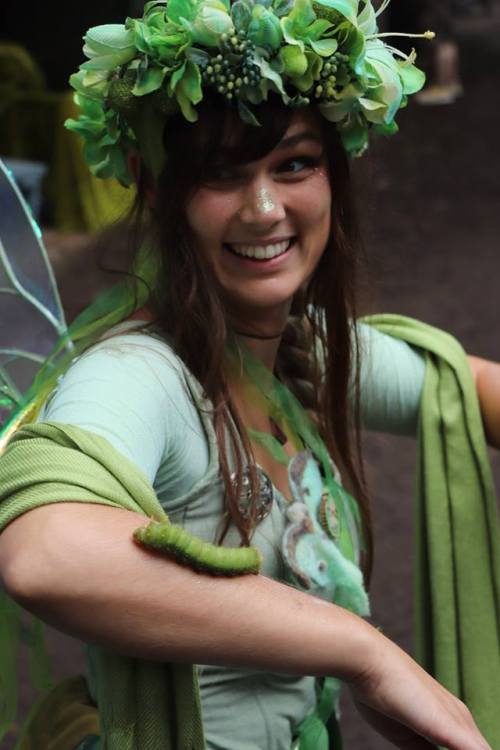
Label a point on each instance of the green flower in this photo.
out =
(326, 51)
(205, 21)
(301, 27)
(92, 84)
(108, 46)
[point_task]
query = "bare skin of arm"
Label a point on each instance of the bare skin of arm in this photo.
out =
(486, 376)
(94, 582)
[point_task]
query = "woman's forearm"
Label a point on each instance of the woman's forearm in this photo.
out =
(77, 567)
(487, 379)
(80, 570)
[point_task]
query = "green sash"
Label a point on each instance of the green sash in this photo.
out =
(458, 545)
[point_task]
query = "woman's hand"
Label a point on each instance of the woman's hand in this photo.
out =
(407, 706)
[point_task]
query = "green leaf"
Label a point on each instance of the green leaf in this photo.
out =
(256, 94)
(290, 33)
(264, 29)
(294, 60)
(186, 107)
(302, 14)
(348, 8)
(346, 104)
(270, 74)
(149, 81)
(177, 9)
(247, 115)
(385, 128)
(190, 85)
(354, 137)
(241, 13)
(390, 89)
(367, 20)
(317, 28)
(324, 47)
(176, 77)
(106, 62)
(197, 56)
(374, 111)
(412, 77)
(354, 45)
(282, 7)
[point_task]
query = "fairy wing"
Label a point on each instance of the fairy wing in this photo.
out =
(31, 315)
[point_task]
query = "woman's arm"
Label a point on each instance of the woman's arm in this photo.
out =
(76, 566)
(487, 379)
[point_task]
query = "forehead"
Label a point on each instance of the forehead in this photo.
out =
(245, 143)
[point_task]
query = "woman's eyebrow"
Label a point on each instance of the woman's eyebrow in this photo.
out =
(304, 135)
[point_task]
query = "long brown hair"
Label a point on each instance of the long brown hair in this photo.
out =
(189, 308)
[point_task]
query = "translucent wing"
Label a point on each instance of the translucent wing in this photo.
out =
(31, 315)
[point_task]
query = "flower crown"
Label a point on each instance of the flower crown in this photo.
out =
(323, 52)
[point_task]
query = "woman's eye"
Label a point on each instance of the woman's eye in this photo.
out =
(297, 165)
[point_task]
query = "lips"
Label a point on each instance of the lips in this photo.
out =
(260, 251)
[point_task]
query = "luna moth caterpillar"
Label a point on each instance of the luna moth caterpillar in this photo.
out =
(190, 550)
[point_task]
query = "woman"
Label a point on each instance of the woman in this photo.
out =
(252, 300)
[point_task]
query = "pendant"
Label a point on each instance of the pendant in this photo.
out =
(328, 516)
(265, 494)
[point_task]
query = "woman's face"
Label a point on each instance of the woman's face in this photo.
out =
(263, 226)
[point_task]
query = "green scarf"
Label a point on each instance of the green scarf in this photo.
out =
(458, 570)
(146, 705)
(458, 550)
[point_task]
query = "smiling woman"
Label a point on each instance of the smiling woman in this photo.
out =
(264, 226)
(231, 396)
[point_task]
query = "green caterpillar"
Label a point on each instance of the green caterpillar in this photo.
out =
(193, 551)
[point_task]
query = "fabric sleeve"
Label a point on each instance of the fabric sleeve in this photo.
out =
(391, 382)
(130, 390)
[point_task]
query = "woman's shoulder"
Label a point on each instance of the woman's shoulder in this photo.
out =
(134, 343)
(131, 361)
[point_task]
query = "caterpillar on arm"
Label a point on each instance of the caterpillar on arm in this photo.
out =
(190, 550)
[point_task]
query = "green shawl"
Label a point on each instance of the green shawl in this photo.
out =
(50, 462)
(458, 553)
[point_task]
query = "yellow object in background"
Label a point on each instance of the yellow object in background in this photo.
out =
(32, 127)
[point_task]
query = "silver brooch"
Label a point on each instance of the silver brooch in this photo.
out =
(265, 490)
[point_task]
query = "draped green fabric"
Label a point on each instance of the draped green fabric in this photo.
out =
(458, 544)
(145, 705)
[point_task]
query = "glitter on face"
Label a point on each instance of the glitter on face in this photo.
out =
(265, 203)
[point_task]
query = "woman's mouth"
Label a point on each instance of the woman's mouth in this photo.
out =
(260, 252)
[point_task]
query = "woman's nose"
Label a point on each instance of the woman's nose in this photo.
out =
(261, 204)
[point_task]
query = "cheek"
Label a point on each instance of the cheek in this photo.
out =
(315, 204)
(208, 214)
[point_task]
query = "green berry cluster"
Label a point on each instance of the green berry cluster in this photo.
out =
(335, 73)
(232, 67)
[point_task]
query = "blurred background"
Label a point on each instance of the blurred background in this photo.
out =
(429, 202)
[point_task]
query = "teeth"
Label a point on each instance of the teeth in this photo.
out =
(262, 252)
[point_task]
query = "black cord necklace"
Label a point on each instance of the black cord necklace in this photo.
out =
(260, 337)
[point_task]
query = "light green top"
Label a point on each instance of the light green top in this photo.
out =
(134, 391)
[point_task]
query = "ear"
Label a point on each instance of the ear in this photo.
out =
(142, 177)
